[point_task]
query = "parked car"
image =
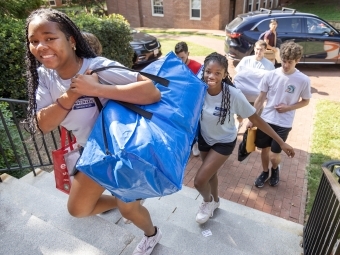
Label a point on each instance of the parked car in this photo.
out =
(146, 47)
(320, 40)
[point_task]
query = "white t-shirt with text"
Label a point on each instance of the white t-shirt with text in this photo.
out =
(84, 113)
(214, 132)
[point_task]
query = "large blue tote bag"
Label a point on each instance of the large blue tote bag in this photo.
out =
(136, 157)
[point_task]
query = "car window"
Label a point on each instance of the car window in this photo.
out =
(234, 23)
(263, 26)
(289, 25)
(316, 26)
(296, 25)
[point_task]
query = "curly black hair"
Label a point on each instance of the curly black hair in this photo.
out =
(226, 82)
(83, 50)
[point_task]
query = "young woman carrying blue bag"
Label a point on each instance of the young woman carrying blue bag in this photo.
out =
(218, 133)
(61, 92)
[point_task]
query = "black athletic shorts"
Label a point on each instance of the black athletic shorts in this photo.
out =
(222, 148)
(263, 140)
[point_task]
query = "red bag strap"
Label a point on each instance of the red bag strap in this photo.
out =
(64, 133)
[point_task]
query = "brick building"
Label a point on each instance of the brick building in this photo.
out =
(57, 3)
(202, 14)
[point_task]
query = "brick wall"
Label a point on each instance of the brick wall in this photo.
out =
(129, 9)
(215, 14)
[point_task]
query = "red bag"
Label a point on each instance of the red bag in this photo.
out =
(61, 173)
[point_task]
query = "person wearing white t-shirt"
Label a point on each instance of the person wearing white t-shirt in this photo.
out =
(61, 91)
(257, 60)
(218, 134)
(285, 89)
(250, 71)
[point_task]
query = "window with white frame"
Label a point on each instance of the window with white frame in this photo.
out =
(52, 3)
(157, 7)
(264, 3)
(248, 5)
(195, 9)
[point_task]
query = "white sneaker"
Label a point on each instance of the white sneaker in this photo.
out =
(145, 247)
(126, 221)
(195, 150)
(206, 210)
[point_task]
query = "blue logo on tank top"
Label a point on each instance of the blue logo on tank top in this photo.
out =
(84, 102)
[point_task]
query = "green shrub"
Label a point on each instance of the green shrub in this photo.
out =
(12, 52)
(113, 32)
(5, 142)
(19, 9)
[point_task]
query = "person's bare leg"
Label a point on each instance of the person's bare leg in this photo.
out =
(265, 158)
(86, 197)
(275, 159)
(212, 161)
(214, 186)
(138, 214)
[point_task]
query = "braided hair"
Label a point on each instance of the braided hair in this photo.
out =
(83, 50)
(226, 82)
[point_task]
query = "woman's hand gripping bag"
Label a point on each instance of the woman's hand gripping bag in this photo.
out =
(147, 157)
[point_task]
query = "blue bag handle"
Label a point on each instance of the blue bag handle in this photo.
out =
(158, 79)
(132, 107)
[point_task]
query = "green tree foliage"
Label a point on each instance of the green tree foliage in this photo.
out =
(19, 8)
(97, 6)
(12, 52)
(113, 32)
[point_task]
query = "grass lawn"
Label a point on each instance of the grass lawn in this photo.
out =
(194, 49)
(327, 10)
(179, 33)
(325, 144)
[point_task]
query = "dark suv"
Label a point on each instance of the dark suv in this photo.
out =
(320, 40)
(147, 48)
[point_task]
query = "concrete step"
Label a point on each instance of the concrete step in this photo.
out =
(23, 233)
(45, 182)
(107, 237)
(234, 229)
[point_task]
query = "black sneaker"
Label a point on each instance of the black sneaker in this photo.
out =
(275, 177)
(264, 176)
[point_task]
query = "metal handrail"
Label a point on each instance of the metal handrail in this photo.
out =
(22, 156)
(322, 229)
